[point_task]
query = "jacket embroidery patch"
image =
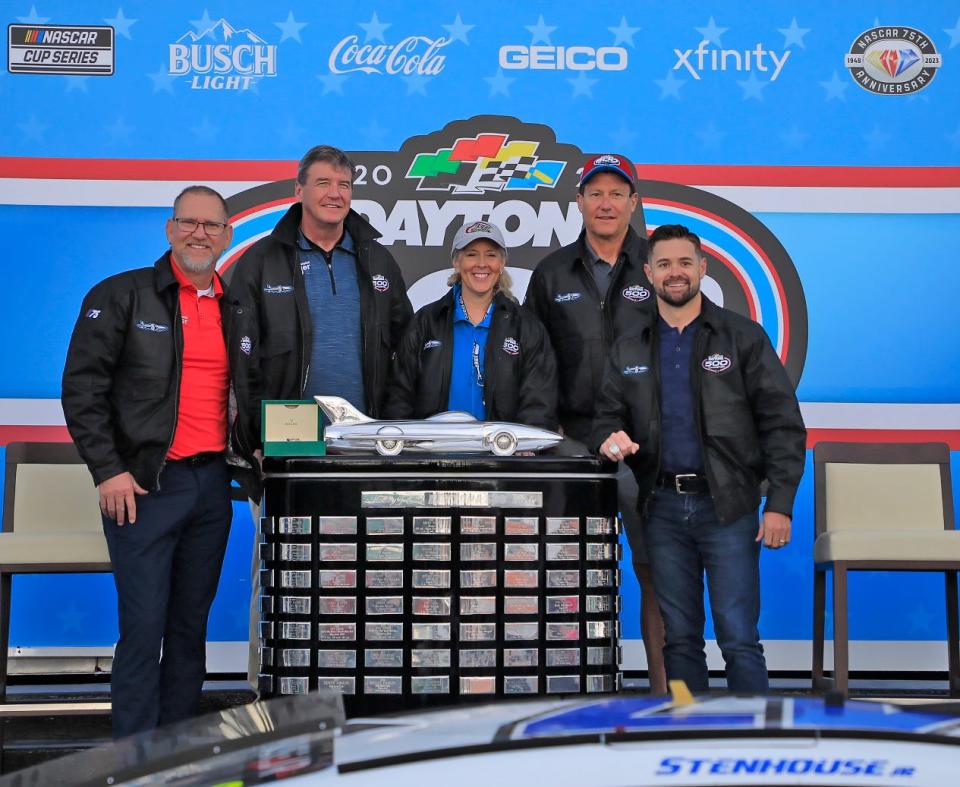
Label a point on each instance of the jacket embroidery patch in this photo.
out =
(278, 289)
(152, 327)
(716, 363)
(246, 345)
(636, 293)
(380, 283)
(432, 344)
(511, 346)
(92, 314)
(567, 297)
(631, 370)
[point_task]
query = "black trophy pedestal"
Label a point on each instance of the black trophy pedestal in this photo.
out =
(412, 581)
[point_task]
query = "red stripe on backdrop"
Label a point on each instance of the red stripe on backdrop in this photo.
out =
(33, 434)
(949, 436)
(59, 434)
(694, 174)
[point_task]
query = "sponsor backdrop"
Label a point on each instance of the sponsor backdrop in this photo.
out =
(813, 146)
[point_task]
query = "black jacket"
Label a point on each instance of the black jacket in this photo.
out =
(122, 375)
(269, 333)
(748, 419)
(520, 372)
(583, 322)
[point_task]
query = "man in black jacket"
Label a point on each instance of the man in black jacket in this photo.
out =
(701, 408)
(316, 307)
(587, 294)
(145, 398)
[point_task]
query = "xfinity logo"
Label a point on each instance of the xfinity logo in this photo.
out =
(222, 58)
(560, 58)
(703, 59)
(413, 55)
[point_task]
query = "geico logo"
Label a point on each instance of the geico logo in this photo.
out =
(558, 58)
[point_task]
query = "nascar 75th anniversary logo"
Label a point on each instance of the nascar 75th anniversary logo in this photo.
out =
(517, 176)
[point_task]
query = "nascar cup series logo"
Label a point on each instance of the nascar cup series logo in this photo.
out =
(515, 175)
(222, 57)
(893, 60)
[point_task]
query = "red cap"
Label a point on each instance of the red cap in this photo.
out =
(609, 162)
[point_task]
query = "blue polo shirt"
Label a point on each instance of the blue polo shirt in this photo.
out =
(467, 370)
(680, 447)
(333, 296)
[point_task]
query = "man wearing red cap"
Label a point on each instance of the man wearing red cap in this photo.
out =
(587, 294)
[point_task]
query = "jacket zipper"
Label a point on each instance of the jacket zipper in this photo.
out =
(178, 357)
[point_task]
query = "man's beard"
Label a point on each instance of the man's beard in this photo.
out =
(197, 266)
(681, 299)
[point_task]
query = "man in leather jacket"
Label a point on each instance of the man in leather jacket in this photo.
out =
(699, 405)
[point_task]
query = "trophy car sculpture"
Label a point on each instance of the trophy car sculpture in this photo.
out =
(349, 430)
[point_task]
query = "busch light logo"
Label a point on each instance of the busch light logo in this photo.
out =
(246, 345)
(222, 57)
(716, 363)
(636, 293)
(567, 297)
(511, 346)
(380, 283)
(277, 289)
(632, 370)
(152, 327)
(92, 314)
(412, 55)
(432, 344)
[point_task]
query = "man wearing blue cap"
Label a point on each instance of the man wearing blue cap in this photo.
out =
(587, 294)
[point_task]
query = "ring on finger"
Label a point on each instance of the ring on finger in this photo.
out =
(614, 449)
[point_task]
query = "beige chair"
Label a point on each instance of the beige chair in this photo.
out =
(51, 525)
(881, 507)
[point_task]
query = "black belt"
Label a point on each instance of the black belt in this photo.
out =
(198, 460)
(684, 483)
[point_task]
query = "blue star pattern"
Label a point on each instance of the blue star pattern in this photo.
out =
(793, 35)
(711, 32)
(416, 83)
(76, 84)
(458, 30)
(670, 86)
(33, 18)
(499, 84)
(582, 85)
(623, 33)
(876, 139)
(374, 29)
(290, 28)
(710, 136)
(205, 131)
(541, 32)
(162, 80)
(119, 131)
(121, 24)
(752, 87)
(333, 83)
(203, 24)
(835, 87)
(954, 33)
(793, 138)
(33, 129)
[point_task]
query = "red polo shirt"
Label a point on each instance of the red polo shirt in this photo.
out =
(202, 419)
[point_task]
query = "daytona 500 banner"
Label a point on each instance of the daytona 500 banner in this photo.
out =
(813, 147)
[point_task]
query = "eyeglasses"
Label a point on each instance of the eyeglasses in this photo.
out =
(212, 228)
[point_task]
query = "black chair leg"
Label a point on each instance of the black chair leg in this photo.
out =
(819, 682)
(953, 634)
(841, 634)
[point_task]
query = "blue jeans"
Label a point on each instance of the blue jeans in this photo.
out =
(684, 539)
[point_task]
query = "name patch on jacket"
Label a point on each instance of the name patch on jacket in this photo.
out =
(152, 327)
(432, 344)
(278, 289)
(716, 363)
(636, 293)
(630, 370)
(567, 297)
(511, 346)
(380, 283)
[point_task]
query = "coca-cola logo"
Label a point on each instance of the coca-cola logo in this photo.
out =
(412, 55)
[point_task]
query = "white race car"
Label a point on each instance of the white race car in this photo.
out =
(453, 432)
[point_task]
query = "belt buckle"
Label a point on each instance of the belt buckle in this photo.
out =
(677, 481)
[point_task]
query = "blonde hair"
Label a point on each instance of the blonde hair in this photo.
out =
(504, 283)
